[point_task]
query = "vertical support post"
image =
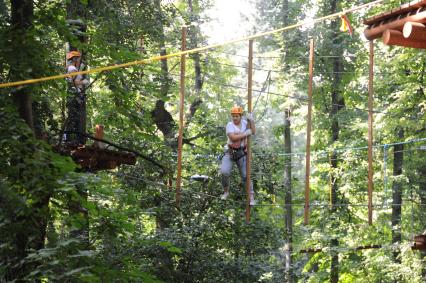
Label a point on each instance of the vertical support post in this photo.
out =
(181, 111)
(99, 134)
(370, 134)
(308, 132)
(249, 109)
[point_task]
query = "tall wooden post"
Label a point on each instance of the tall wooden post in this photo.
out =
(99, 134)
(308, 132)
(370, 135)
(181, 111)
(249, 109)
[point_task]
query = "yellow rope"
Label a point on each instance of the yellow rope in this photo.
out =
(195, 50)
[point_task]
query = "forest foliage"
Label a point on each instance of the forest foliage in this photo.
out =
(61, 224)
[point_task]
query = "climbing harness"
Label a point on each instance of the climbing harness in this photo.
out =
(237, 153)
(74, 103)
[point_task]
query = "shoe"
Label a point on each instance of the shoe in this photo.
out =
(225, 196)
(252, 201)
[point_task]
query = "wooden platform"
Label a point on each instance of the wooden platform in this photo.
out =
(419, 243)
(402, 26)
(92, 158)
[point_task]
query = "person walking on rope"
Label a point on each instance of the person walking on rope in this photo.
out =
(237, 132)
(75, 101)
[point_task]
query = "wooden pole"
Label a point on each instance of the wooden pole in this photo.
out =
(249, 109)
(99, 134)
(370, 135)
(181, 111)
(308, 131)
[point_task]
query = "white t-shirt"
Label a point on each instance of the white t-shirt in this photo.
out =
(72, 69)
(232, 128)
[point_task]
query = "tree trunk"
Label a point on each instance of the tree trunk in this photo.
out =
(21, 24)
(335, 129)
(288, 200)
(337, 102)
(162, 118)
(398, 158)
(334, 243)
(32, 223)
(75, 125)
(288, 213)
(193, 32)
(76, 15)
(421, 179)
(193, 43)
(422, 215)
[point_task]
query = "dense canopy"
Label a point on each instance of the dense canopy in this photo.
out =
(74, 209)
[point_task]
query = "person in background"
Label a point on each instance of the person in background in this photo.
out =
(75, 100)
(237, 132)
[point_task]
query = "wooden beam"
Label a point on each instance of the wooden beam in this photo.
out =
(249, 109)
(376, 31)
(414, 31)
(370, 134)
(395, 37)
(308, 132)
(181, 111)
(407, 7)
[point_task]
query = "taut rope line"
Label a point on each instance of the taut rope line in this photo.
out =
(195, 50)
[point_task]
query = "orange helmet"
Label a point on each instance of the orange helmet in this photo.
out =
(72, 54)
(237, 110)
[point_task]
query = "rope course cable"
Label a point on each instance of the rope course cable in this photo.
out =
(328, 205)
(299, 248)
(296, 249)
(385, 174)
(278, 51)
(215, 82)
(190, 51)
(322, 72)
(264, 89)
(326, 151)
(314, 204)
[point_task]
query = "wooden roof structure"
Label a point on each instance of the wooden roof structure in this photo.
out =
(403, 26)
